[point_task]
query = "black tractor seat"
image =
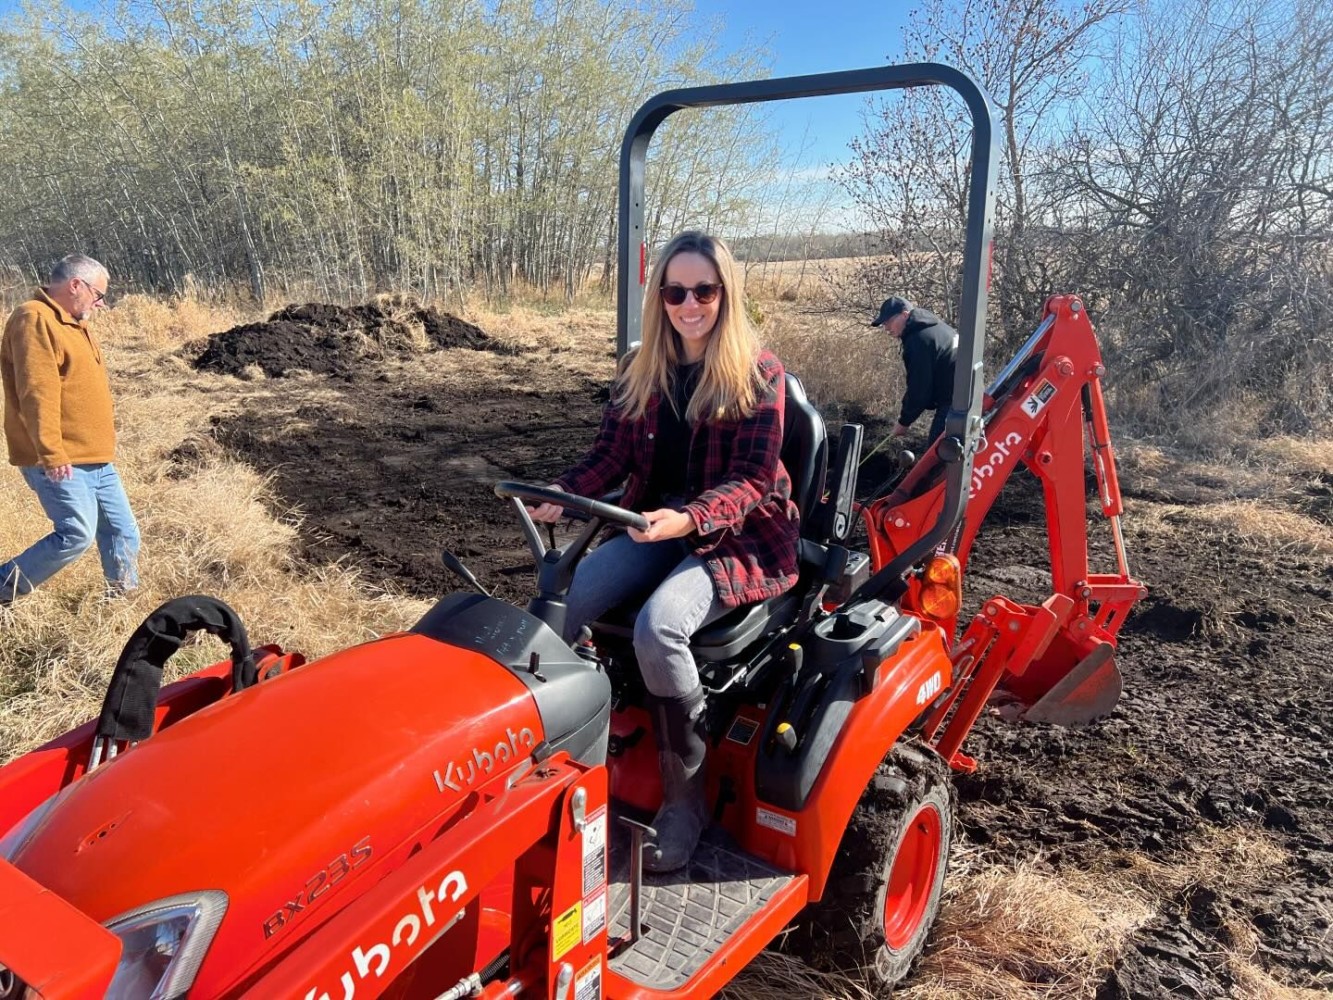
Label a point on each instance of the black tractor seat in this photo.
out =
(723, 639)
(805, 456)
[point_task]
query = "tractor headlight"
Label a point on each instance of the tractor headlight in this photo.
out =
(163, 944)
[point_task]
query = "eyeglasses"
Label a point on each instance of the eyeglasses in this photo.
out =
(704, 293)
(97, 296)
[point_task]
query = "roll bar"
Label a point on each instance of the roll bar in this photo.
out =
(962, 427)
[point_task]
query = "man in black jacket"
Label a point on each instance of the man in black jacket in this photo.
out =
(929, 346)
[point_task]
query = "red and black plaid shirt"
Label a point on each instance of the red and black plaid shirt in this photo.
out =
(745, 518)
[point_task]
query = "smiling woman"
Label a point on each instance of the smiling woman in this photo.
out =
(690, 298)
(694, 432)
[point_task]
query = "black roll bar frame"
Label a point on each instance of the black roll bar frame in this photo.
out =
(962, 428)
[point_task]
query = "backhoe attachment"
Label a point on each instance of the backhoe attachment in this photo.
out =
(1053, 662)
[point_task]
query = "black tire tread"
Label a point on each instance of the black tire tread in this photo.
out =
(842, 930)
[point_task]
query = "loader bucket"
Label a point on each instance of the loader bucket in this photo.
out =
(1085, 694)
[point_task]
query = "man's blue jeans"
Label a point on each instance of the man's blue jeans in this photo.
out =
(89, 506)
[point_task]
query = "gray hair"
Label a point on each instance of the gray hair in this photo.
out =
(77, 265)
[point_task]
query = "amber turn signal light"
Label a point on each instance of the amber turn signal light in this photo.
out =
(943, 568)
(942, 587)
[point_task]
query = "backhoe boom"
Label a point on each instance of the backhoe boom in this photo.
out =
(1045, 411)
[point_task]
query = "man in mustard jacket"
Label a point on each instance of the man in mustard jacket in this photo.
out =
(60, 433)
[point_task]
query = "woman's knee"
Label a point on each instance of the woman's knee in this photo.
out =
(658, 631)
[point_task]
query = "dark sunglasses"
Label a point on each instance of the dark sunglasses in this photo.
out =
(97, 296)
(704, 293)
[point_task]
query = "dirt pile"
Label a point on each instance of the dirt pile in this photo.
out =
(338, 340)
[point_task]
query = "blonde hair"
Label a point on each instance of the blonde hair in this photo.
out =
(729, 385)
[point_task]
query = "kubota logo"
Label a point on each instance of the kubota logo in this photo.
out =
(483, 762)
(378, 956)
(929, 689)
(987, 462)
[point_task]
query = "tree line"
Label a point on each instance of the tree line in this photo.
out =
(349, 147)
(1173, 163)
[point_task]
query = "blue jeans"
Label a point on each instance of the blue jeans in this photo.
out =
(89, 506)
(679, 599)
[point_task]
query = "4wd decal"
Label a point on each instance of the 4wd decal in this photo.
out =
(406, 932)
(483, 762)
(929, 689)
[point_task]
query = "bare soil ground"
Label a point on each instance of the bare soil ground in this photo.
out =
(1224, 734)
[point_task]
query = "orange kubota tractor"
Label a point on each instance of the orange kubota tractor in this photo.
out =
(453, 811)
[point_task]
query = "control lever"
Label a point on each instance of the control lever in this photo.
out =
(455, 566)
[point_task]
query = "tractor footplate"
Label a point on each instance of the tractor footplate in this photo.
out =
(686, 915)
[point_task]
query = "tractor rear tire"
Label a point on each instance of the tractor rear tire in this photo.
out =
(884, 890)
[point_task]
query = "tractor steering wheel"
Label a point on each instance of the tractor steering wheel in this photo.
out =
(555, 567)
(609, 513)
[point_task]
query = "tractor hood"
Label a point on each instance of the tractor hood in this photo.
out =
(287, 794)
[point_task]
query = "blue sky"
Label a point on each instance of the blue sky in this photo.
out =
(817, 36)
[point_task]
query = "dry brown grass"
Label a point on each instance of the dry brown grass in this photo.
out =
(1297, 454)
(144, 321)
(1025, 932)
(212, 525)
(1261, 527)
(817, 283)
(1252, 526)
(841, 362)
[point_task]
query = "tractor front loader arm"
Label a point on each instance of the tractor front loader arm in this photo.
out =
(60, 953)
(1045, 410)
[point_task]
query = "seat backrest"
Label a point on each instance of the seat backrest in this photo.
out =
(804, 452)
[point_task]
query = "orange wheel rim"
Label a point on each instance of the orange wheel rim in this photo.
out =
(912, 878)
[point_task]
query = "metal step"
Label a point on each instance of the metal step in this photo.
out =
(688, 914)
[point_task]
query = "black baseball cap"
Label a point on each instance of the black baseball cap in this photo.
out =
(891, 308)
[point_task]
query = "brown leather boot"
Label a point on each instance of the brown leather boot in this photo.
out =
(680, 756)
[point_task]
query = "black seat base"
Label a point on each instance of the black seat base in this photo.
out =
(723, 639)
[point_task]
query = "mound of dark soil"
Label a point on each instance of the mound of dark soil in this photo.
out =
(337, 340)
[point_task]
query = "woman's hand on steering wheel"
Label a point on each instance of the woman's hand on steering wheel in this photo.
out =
(662, 525)
(548, 513)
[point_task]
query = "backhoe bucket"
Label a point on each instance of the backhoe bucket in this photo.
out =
(1085, 694)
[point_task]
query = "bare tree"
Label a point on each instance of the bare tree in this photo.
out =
(1199, 200)
(909, 171)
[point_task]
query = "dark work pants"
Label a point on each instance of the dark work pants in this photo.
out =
(937, 425)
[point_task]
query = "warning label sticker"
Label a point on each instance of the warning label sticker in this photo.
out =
(775, 821)
(742, 730)
(567, 930)
(588, 983)
(594, 852)
(594, 916)
(1035, 403)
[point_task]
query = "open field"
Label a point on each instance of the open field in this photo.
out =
(1182, 847)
